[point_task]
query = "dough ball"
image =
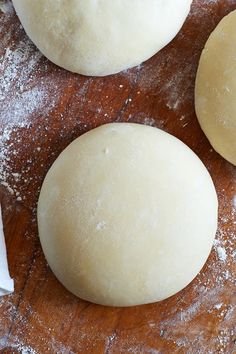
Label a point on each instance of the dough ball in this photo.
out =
(215, 93)
(127, 215)
(101, 37)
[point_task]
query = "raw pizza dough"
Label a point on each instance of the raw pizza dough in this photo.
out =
(127, 215)
(101, 37)
(215, 93)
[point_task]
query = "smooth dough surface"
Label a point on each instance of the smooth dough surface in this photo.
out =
(104, 36)
(215, 92)
(127, 215)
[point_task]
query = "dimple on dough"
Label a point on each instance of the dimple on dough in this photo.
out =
(215, 92)
(127, 215)
(104, 36)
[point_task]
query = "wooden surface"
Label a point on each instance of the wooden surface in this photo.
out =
(42, 109)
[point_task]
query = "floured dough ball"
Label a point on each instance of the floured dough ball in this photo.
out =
(127, 215)
(215, 93)
(101, 37)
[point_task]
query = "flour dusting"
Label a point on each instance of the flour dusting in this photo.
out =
(22, 97)
(6, 7)
(234, 202)
(221, 252)
(22, 348)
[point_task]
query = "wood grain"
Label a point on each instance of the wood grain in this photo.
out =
(41, 316)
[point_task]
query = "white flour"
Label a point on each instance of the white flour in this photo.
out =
(234, 202)
(22, 348)
(221, 252)
(6, 6)
(22, 97)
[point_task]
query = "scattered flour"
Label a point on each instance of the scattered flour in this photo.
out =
(22, 97)
(101, 225)
(218, 306)
(221, 252)
(234, 202)
(22, 348)
(6, 6)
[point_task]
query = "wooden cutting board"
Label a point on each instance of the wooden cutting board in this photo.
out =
(42, 109)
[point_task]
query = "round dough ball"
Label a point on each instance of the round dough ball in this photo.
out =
(215, 92)
(127, 215)
(101, 37)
